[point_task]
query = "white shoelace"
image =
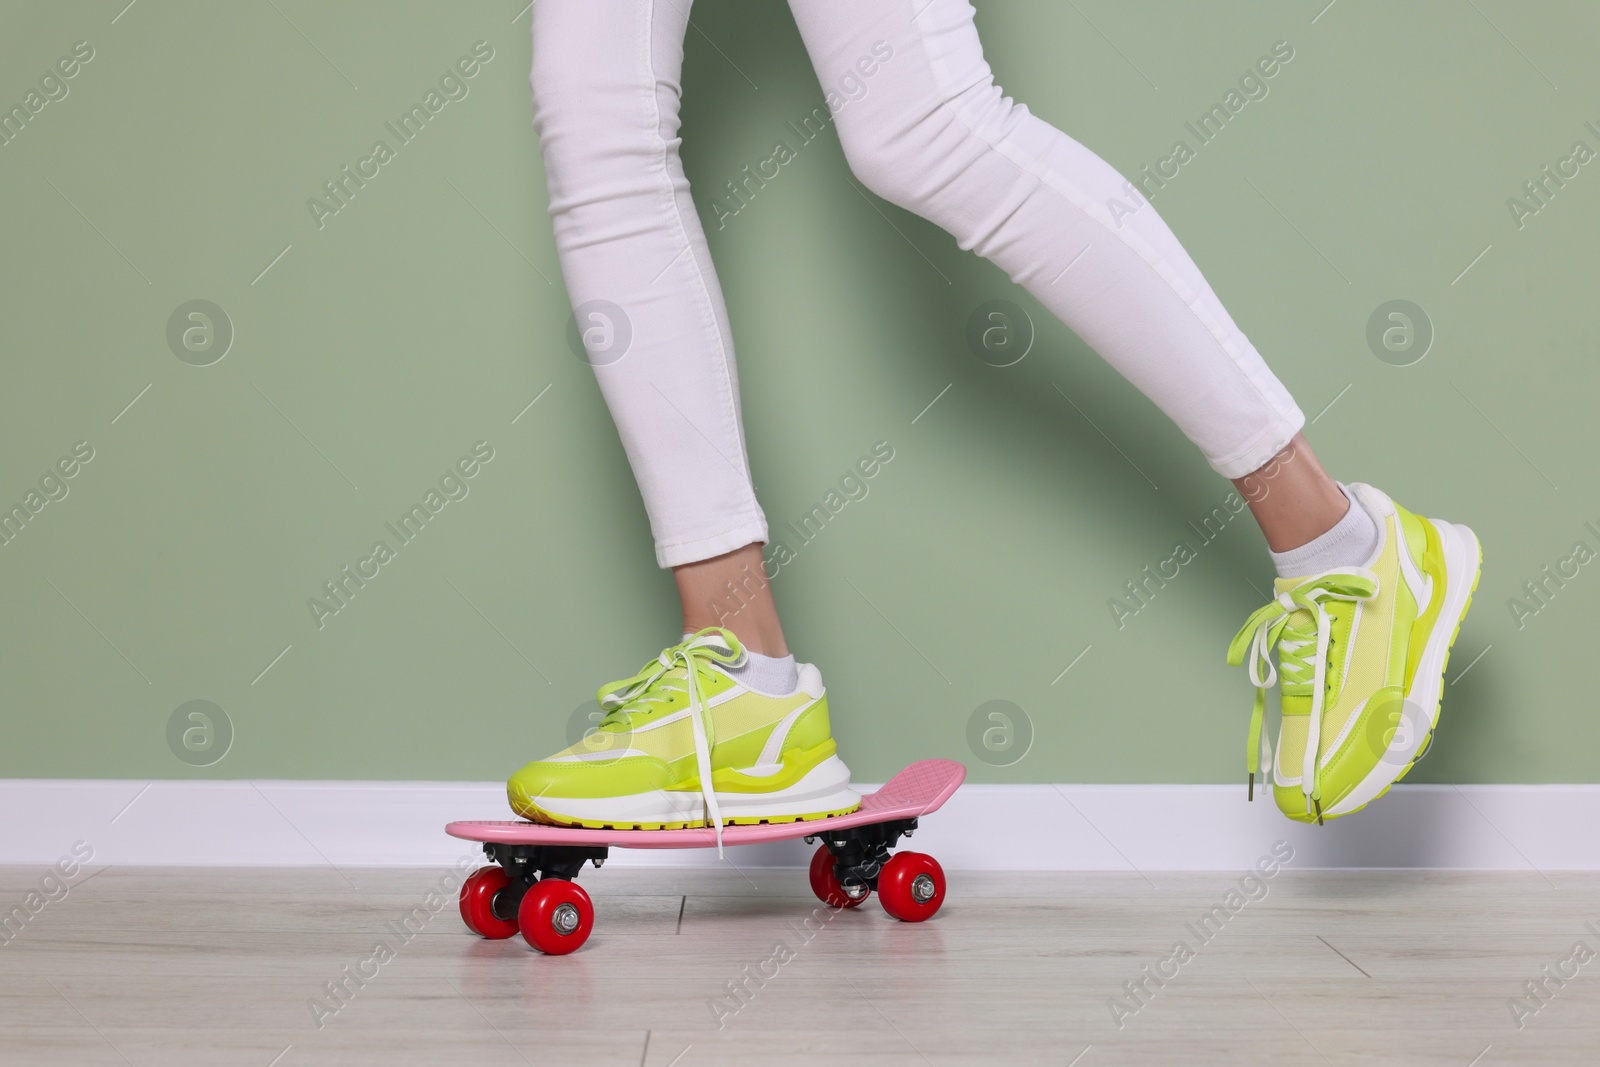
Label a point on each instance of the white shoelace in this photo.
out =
(693, 653)
(1264, 628)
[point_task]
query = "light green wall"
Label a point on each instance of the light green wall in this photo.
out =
(428, 313)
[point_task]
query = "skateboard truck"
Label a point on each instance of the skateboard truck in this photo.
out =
(860, 852)
(526, 865)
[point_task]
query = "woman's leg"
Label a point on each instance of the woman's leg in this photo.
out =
(927, 128)
(1369, 597)
(606, 89)
(708, 732)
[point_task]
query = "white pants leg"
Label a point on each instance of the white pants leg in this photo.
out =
(931, 133)
(605, 106)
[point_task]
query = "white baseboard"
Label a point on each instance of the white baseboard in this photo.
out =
(983, 827)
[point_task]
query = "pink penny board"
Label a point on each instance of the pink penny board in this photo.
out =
(915, 791)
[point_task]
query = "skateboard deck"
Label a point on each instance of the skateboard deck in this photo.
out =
(918, 789)
(530, 887)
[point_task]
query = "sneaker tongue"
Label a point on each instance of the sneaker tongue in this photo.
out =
(1295, 699)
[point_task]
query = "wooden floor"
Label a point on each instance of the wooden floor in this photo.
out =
(223, 967)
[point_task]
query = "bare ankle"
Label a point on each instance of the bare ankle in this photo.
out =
(1292, 498)
(732, 590)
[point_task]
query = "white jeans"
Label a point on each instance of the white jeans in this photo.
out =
(932, 133)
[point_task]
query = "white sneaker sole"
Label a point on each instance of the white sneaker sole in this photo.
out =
(1462, 564)
(825, 790)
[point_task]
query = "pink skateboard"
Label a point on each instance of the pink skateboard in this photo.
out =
(530, 888)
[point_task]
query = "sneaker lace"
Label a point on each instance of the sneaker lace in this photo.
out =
(1303, 655)
(656, 683)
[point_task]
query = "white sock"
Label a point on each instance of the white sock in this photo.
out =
(774, 675)
(1351, 543)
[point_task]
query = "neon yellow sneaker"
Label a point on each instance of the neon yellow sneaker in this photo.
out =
(683, 721)
(1362, 652)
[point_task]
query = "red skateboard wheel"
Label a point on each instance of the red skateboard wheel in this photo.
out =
(826, 886)
(911, 886)
(477, 903)
(555, 916)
